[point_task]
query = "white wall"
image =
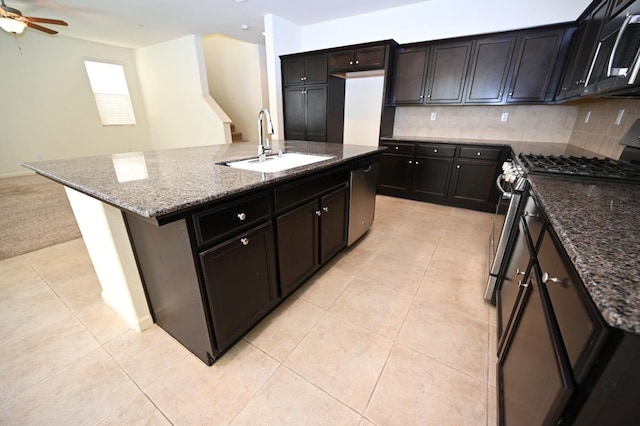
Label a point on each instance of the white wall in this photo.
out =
(362, 108)
(236, 73)
(47, 109)
(180, 111)
(436, 19)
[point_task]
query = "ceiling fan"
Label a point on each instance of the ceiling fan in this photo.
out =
(12, 21)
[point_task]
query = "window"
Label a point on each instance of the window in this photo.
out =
(110, 89)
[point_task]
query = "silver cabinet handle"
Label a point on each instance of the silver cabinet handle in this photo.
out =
(350, 62)
(505, 195)
(546, 277)
(435, 150)
(410, 162)
(527, 214)
(479, 154)
(510, 93)
(318, 213)
(325, 209)
(519, 272)
(521, 284)
(244, 241)
(397, 147)
(458, 166)
(417, 162)
(357, 62)
(428, 96)
(242, 216)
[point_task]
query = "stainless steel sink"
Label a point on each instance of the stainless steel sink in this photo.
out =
(277, 163)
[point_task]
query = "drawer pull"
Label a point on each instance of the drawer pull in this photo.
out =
(546, 277)
(521, 284)
(527, 214)
(242, 216)
(244, 241)
(479, 154)
(519, 272)
(325, 209)
(435, 150)
(318, 213)
(397, 147)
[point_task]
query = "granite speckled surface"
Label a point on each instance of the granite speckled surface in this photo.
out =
(598, 224)
(158, 183)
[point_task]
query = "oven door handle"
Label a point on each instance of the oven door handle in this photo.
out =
(504, 194)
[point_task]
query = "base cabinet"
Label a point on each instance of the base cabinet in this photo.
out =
(457, 175)
(240, 280)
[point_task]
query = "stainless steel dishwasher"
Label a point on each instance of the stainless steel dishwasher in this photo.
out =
(362, 204)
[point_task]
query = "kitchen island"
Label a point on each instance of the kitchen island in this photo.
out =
(165, 230)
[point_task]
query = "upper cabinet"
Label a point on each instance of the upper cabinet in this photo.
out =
(360, 59)
(536, 66)
(490, 65)
(514, 67)
(304, 69)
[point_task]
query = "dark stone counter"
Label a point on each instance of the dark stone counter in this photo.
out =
(598, 224)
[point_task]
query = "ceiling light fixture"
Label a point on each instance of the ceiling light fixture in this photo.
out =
(12, 25)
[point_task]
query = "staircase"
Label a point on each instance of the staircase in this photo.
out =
(235, 136)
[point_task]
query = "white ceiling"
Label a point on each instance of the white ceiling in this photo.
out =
(135, 23)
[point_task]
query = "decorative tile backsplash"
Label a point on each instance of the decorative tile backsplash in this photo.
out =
(537, 123)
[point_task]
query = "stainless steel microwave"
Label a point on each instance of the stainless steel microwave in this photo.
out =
(616, 63)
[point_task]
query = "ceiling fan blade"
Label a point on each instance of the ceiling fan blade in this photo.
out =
(46, 21)
(40, 28)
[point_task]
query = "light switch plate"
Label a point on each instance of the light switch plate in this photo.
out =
(619, 117)
(433, 116)
(505, 117)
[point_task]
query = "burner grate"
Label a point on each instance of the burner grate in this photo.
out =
(602, 168)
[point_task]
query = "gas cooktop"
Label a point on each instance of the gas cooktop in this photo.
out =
(600, 168)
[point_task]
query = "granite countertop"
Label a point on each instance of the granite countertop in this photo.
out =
(545, 148)
(598, 223)
(158, 183)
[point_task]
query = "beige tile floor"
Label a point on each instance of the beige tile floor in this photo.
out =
(394, 331)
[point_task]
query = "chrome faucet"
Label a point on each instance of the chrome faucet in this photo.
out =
(263, 144)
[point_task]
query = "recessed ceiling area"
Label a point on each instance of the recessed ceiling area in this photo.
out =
(136, 23)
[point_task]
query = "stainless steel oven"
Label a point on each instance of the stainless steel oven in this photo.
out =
(511, 184)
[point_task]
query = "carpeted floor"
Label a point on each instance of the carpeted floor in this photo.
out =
(34, 213)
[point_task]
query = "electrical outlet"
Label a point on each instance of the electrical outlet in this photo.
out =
(587, 117)
(619, 117)
(433, 116)
(505, 117)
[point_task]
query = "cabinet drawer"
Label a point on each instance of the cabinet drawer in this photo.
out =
(436, 150)
(224, 219)
(303, 189)
(480, 153)
(399, 148)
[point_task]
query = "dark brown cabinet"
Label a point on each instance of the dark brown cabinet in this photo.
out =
(474, 175)
(410, 76)
(304, 69)
(535, 66)
(305, 113)
(534, 382)
(459, 175)
(490, 65)
(361, 59)
(447, 72)
(240, 281)
(583, 47)
(313, 231)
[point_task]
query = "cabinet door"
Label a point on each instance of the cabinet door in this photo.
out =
(577, 321)
(293, 70)
(315, 69)
(395, 172)
(316, 113)
(410, 75)
(447, 72)
(369, 58)
(240, 279)
(295, 113)
(298, 245)
(341, 61)
(512, 286)
(535, 64)
(431, 176)
(533, 380)
(333, 223)
(489, 69)
(473, 180)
